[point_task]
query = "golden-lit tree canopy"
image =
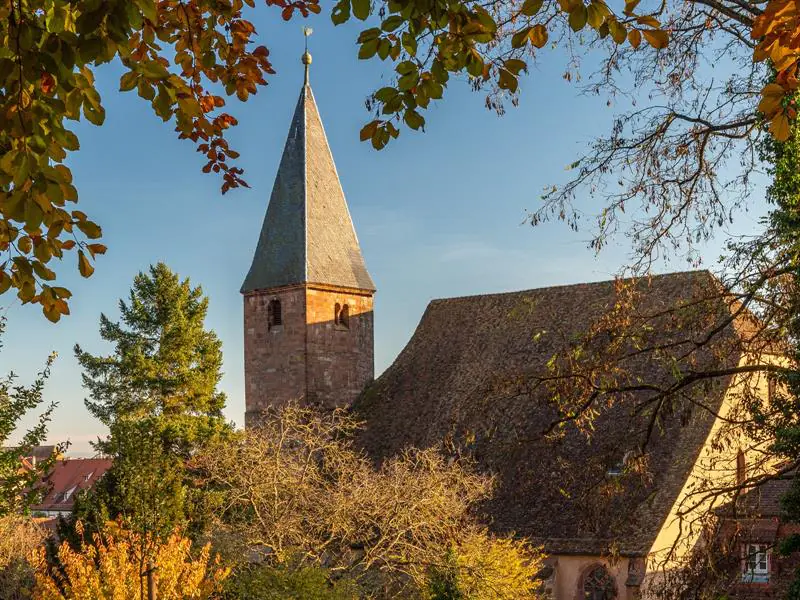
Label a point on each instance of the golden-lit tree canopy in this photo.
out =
(114, 566)
(296, 490)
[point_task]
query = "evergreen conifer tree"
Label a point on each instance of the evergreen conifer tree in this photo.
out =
(166, 366)
(157, 394)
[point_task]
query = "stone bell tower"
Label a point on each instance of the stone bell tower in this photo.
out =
(308, 323)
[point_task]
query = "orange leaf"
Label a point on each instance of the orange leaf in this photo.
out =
(538, 35)
(779, 127)
(635, 38)
(657, 38)
(48, 83)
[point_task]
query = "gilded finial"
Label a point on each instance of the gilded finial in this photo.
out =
(307, 31)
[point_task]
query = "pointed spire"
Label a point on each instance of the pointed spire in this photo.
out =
(307, 235)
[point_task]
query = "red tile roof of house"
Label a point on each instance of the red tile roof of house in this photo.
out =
(68, 477)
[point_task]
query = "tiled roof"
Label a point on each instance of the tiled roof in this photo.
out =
(761, 501)
(307, 235)
(464, 382)
(68, 477)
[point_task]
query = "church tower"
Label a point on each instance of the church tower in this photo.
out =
(308, 324)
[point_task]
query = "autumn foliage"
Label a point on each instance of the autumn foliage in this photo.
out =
(114, 566)
(50, 49)
(777, 31)
(187, 58)
(297, 492)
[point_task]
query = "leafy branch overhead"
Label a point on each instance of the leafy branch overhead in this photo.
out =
(183, 57)
(493, 42)
(188, 57)
(490, 42)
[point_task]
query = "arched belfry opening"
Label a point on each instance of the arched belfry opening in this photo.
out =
(274, 315)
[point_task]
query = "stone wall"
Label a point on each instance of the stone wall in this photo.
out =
(308, 358)
(274, 359)
(340, 359)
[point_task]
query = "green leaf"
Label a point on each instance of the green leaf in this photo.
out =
(361, 9)
(148, 8)
(368, 49)
(96, 116)
(520, 38)
(393, 22)
(507, 81)
(384, 46)
(578, 17)
(406, 67)
(531, 7)
(154, 70)
(474, 63)
(385, 94)
(21, 165)
(515, 65)
(369, 34)
(340, 12)
(410, 43)
(413, 119)
(407, 82)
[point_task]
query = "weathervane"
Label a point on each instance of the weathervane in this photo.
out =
(307, 31)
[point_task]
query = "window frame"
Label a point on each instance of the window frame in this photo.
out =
(752, 553)
(610, 584)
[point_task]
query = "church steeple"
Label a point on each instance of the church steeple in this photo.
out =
(308, 297)
(307, 235)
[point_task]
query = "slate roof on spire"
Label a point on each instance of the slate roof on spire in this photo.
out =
(307, 235)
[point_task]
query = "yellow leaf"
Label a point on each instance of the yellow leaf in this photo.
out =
(782, 57)
(577, 17)
(779, 127)
(618, 31)
(657, 38)
(649, 21)
(84, 267)
(769, 105)
(51, 313)
(594, 15)
(630, 6)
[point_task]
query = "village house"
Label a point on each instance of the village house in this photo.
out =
(617, 500)
(68, 477)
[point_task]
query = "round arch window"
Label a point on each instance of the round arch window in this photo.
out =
(599, 585)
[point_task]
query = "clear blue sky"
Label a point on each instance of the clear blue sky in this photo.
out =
(437, 214)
